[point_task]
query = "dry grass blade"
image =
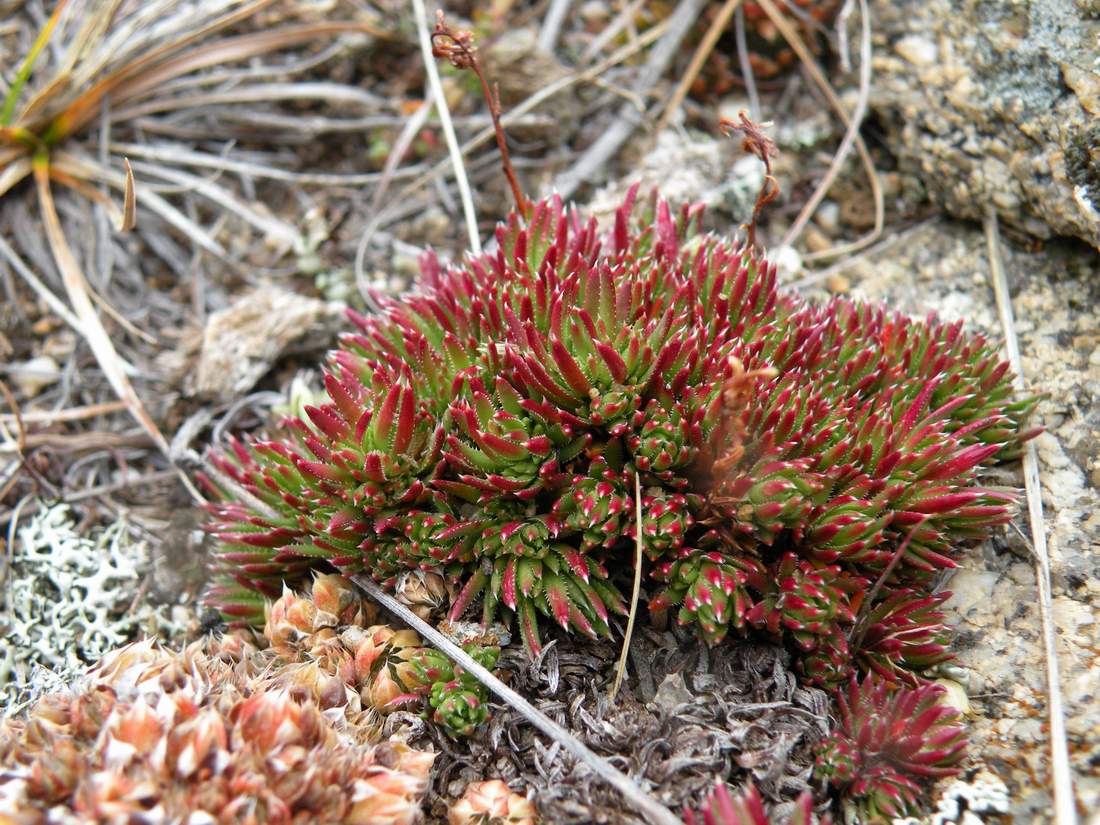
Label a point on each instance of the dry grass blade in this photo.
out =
(14, 171)
(70, 414)
(24, 72)
(83, 109)
(231, 50)
(639, 546)
(337, 94)
(798, 46)
(637, 798)
(448, 127)
(100, 342)
(187, 157)
(92, 29)
(702, 52)
(129, 203)
(77, 289)
(271, 226)
(78, 166)
(1064, 806)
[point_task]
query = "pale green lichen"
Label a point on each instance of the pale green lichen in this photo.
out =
(69, 599)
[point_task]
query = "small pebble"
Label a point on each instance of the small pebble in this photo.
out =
(828, 217)
(816, 240)
(33, 376)
(917, 50)
(788, 262)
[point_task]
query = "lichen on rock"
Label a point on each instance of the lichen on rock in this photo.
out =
(70, 599)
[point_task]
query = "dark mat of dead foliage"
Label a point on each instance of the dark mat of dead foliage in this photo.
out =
(733, 711)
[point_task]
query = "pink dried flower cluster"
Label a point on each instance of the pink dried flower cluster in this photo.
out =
(328, 639)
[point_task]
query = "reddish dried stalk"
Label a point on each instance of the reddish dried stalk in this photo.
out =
(755, 142)
(458, 48)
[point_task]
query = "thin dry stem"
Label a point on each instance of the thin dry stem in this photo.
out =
(483, 137)
(458, 48)
(639, 547)
(756, 142)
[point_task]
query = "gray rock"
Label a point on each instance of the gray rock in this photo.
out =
(996, 102)
(243, 341)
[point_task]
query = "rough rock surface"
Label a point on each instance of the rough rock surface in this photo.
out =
(996, 102)
(242, 342)
(943, 267)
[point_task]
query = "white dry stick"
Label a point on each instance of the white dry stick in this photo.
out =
(448, 127)
(1064, 807)
(650, 808)
(551, 25)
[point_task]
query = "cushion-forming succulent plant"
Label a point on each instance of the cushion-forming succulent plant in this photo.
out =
(329, 634)
(747, 808)
(888, 740)
(490, 428)
(211, 733)
(491, 803)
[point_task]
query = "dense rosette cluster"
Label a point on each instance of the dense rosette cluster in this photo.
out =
(495, 428)
(747, 808)
(218, 732)
(888, 741)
